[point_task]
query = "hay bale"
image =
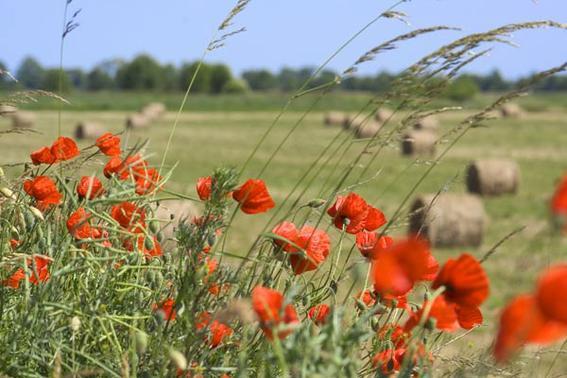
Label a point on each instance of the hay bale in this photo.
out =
(383, 115)
(7, 110)
(448, 220)
(23, 120)
(419, 143)
(171, 213)
(137, 121)
(154, 110)
(353, 122)
(89, 130)
(430, 123)
(368, 130)
(511, 110)
(493, 177)
(334, 119)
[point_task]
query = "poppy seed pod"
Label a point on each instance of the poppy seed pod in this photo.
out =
(141, 342)
(154, 226)
(178, 359)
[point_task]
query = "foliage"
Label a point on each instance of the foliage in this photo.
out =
(30, 74)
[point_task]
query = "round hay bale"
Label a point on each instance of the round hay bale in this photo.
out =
(353, 122)
(89, 130)
(334, 119)
(23, 120)
(137, 121)
(419, 143)
(383, 115)
(368, 130)
(493, 177)
(448, 220)
(427, 123)
(154, 110)
(171, 213)
(7, 110)
(511, 110)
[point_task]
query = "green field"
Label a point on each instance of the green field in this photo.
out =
(215, 136)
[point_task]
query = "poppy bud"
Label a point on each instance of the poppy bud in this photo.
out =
(27, 220)
(154, 226)
(212, 239)
(141, 342)
(316, 203)
(149, 243)
(430, 324)
(160, 237)
(375, 324)
(38, 214)
(7, 193)
(178, 359)
(75, 323)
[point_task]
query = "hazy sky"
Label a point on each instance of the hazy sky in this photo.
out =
(279, 32)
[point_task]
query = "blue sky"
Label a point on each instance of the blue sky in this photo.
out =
(280, 33)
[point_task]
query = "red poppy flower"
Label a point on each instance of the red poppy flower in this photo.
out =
(355, 214)
(366, 241)
(559, 200)
(44, 190)
(204, 188)
(109, 144)
(129, 216)
(218, 332)
(396, 269)
(465, 282)
(394, 333)
(369, 244)
(389, 360)
(89, 187)
(367, 297)
(42, 156)
(551, 293)
(166, 309)
(149, 251)
(315, 246)
(64, 149)
(146, 179)
(375, 219)
(319, 314)
(38, 266)
(113, 167)
(14, 243)
(78, 224)
(350, 211)
(287, 231)
(268, 305)
(253, 197)
(522, 322)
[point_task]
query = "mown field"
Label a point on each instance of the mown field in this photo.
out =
(210, 138)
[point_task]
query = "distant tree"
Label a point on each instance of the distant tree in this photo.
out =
(288, 79)
(143, 73)
(494, 83)
(324, 77)
(170, 77)
(98, 80)
(260, 80)
(78, 78)
(55, 80)
(236, 86)
(462, 89)
(30, 73)
(202, 83)
(220, 76)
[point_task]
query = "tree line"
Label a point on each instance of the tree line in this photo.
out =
(144, 73)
